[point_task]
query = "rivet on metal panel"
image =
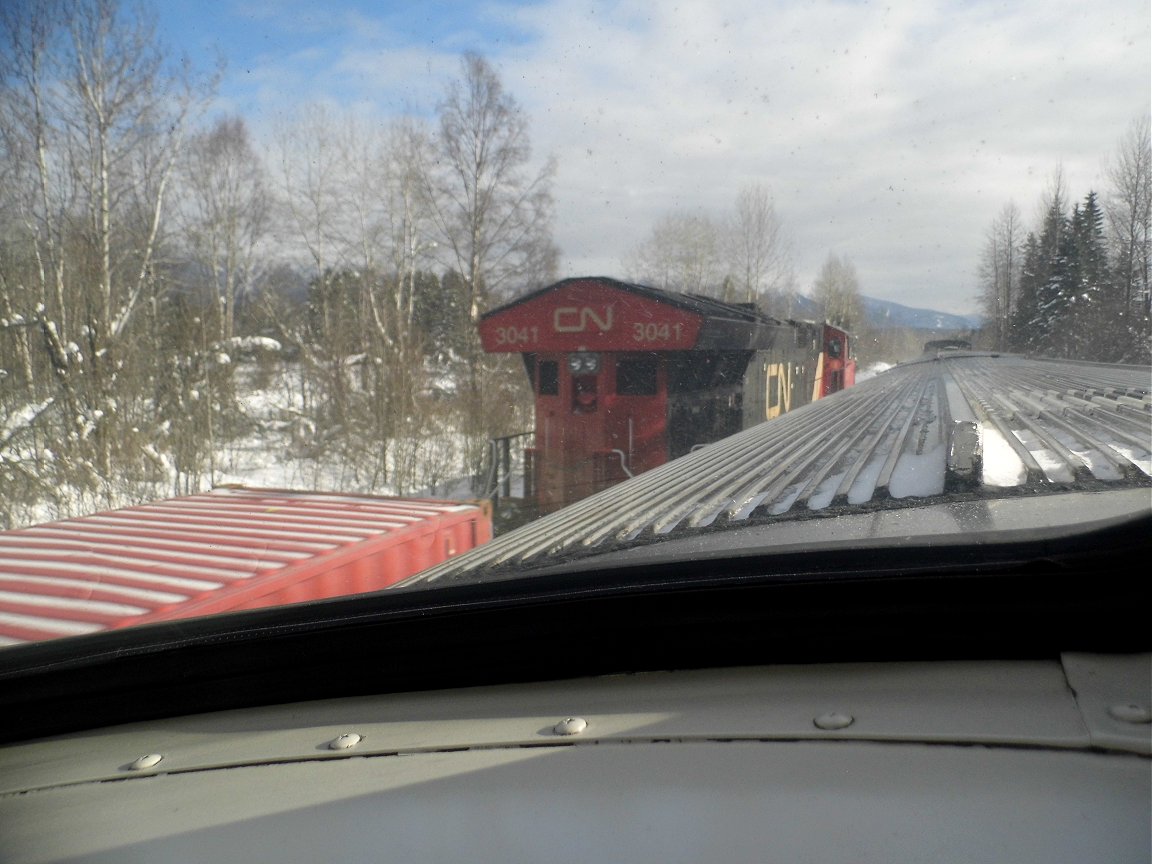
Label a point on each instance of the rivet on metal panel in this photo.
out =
(144, 762)
(345, 742)
(570, 726)
(1131, 712)
(833, 720)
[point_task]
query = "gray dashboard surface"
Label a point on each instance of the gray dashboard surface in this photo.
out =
(965, 761)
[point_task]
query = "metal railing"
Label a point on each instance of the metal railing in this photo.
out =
(504, 461)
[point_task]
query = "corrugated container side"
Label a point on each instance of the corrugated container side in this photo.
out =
(360, 568)
(234, 548)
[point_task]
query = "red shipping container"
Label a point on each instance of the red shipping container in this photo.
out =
(232, 548)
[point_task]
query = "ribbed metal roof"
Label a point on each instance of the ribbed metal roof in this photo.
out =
(979, 424)
(136, 564)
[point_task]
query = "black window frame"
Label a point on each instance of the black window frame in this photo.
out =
(548, 378)
(637, 376)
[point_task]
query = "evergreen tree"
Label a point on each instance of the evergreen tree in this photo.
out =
(1096, 324)
(1065, 303)
(440, 314)
(1068, 304)
(1023, 337)
(1050, 272)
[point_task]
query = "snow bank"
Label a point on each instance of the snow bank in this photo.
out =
(872, 370)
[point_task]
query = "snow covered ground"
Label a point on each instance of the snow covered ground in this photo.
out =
(279, 449)
(271, 455)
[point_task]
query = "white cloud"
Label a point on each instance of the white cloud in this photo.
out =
(891, 134)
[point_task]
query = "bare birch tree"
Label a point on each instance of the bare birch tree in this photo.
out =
(355, 201)
(94, 113)
(1000, 267)
(227, 213)
(493, 211)
(1129, 214)
(125, 115)
(837, 292)
(312, 177)
(410, 211)
(683, 252)
(743, 257)
(757, 249)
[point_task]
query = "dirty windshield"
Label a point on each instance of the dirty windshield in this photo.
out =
(300, 302)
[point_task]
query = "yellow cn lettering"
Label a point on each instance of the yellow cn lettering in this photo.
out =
(782, 371)
(588, 314)
(570, 319)
(562, 320)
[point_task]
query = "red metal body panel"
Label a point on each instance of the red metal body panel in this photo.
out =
(233, 548)
(584, 446)
(839, 370)
(589, 315)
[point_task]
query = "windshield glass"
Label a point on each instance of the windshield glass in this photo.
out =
(300, 303)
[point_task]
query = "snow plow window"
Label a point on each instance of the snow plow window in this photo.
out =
(549, 378)
(636, 377)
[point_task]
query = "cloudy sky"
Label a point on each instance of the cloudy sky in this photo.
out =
(892, 133)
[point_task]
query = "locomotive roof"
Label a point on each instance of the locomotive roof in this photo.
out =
(697, 304)
(597, 313)
(952, 429)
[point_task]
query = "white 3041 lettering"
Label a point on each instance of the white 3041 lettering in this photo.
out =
(517, 335)
(654, 332)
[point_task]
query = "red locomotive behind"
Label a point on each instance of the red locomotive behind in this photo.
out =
(627, 377)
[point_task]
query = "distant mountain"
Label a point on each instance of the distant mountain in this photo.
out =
(803, 308)
(884, 314)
